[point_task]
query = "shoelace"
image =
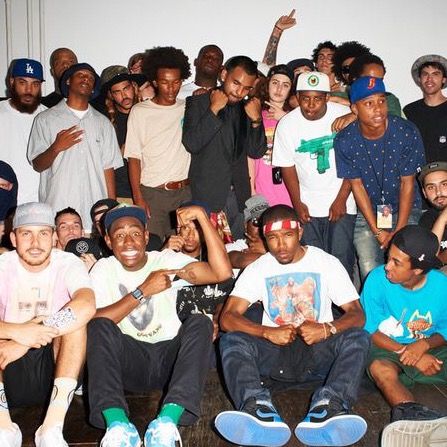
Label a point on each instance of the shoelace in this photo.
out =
(163, 434)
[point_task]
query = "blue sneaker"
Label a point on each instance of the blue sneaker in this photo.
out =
(121, 434)
(162, 432)
(258, 423)
(330, 425)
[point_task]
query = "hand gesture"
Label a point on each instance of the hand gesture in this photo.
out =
(218, 100)
(175, 242)
(67, 138)
(286, 22)
(311, 332)
(187, 214)
(253, 109)
(281, 335)
(158, 281)
(33, 334)
(274, 112)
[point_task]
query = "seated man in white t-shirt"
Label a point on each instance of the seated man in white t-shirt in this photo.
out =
(304, 149)
(46, 300)
(298, 341)
(136, 342)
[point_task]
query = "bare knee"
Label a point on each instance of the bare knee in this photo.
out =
(383, 371)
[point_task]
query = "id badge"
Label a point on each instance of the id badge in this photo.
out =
(384, 216)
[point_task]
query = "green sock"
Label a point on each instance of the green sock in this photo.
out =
(114, 415)
(172, 411)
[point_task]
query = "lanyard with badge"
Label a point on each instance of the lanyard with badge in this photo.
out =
(384, 212)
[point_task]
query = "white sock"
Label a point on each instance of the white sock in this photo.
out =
(5, 418)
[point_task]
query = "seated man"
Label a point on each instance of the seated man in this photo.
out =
(205, 299)
(137, 343)
(404, 303)
(297, 285)
(40, 284)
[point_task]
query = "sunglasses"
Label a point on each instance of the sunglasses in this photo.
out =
(256, 222)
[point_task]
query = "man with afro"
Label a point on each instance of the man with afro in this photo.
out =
(158, 161)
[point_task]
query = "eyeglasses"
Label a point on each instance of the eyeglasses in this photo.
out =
(345, 69)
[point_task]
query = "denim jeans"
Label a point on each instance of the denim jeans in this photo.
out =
(339, 361)
(369, 253)
(335, 238)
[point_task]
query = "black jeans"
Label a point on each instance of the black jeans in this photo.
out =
(117, 362)
(339, 361)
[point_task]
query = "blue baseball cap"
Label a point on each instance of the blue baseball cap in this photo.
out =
(124, 210)
(27, 68)
(366, 86)
(71, 71)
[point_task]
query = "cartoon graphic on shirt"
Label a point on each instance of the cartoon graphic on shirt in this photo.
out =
(418, 324)
(294, 297)
(142, 316)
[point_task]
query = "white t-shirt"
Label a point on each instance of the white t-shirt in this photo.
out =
(25, 295)
(238, 245)
(292, 293)
(155, 319)
(15, 128)
(318, 191)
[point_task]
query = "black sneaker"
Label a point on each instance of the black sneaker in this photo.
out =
(330, 425)
(412, 411)
(258, 423)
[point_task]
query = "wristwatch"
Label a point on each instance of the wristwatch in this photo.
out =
(332, 328)
(138, 295)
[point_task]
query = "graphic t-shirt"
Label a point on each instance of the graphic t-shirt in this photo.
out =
(25, 295)
(308, 145)
(402, 314)
(153, 320)
(292, 293)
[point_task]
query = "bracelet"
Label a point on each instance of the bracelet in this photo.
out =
(325, 332)
(277, 27)
(258, 121)
(376, 235)
(400, 351)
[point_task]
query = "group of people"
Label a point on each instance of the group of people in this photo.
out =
(152, 220)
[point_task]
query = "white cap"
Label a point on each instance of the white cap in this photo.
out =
(314, 81)
(33, 214)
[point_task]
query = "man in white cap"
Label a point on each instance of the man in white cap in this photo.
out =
(303, 148)
(430, 113)
(46, 300)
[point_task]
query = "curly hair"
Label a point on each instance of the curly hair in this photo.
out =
(328, 44)
(165, 57)
(359, 63)
(345, 51)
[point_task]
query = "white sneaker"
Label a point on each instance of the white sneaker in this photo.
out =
(121, 434)
(51, 437)
(11, 437)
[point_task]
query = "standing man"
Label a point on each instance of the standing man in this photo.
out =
(404, 303)
(60, 60)
(74, 147)
(208, 65)
(158, 161)
(380, 155)
(433, 180)
(121, 91)
(298, 341)
(303, 148)
(220, 131)
(430, 113)
(137, 337)
(322, 57)
(46, 300)
(16, 119)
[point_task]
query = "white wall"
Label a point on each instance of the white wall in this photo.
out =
(106, 32)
